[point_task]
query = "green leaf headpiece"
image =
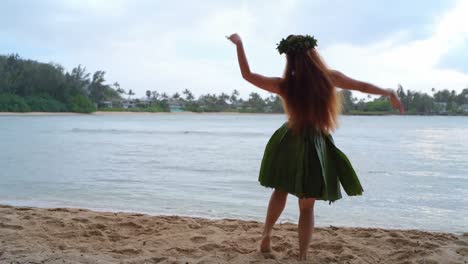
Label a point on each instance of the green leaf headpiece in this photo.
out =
(295, 44)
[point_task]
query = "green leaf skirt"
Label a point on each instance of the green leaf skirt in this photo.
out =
(307, 164)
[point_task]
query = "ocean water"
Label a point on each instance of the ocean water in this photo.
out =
(414, 169)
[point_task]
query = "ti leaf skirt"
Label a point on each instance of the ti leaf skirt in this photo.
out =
(307, 165)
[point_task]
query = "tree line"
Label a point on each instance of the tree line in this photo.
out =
(443, 102)
(28, 85)
(186, 101)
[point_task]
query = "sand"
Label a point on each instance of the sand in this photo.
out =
(63, 235)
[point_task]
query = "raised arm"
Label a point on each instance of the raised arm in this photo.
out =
(270, 84)
(345, 82)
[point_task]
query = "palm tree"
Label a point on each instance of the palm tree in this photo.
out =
(176, 95)
(164, 96)
(155, 95)
(234, 96)
(117, 88)
(130, 93)
(188, 95)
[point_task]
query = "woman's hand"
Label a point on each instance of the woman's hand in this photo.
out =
(395, 101)
(235, 38)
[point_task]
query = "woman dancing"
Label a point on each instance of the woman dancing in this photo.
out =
(301, 158)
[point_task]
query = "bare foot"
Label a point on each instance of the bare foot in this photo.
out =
(265, 245)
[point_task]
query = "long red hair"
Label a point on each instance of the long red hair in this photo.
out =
(309, 97)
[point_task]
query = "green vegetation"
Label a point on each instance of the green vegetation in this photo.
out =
(81, 104)
(215, 103)
(443, 102)
(27, 85)
(13, 103)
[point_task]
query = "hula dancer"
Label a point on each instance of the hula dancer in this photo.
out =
(301, 158)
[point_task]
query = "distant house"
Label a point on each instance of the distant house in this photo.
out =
(464, 108)
(441, 107)
(175, 105)
(110, 103)
(145, 101)
(237, 105)
(106, 104)
(126, 103)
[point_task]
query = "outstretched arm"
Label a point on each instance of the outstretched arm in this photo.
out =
(345, 82)
(270, 84)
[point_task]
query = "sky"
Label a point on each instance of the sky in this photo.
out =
(169, 46)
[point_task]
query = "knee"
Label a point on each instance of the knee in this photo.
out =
(306, 204)
(280, 195)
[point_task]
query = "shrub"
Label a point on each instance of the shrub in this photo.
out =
(81, 104)
(44, 104)
(13, 103)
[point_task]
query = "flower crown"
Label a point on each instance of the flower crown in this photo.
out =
(296, 44)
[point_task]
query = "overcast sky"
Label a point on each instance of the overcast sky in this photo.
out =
(172, 45)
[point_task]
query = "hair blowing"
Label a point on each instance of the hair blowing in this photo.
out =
(309, 96)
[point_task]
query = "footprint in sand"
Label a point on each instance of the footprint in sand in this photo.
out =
(194, 226)
(13, 227)
(402, 242)
(282, 247)
(81, 220)
(210, 246)
(130, 225)
(102, 218)
(55, 223)
(23, 209)
(183, 250)
(59, 210)
(402, 255)
(198, 239)
(4, 219)
(462, 251)
(430, 245)
(127, 251)
(328, 246)
(93, 233)
(98, 226)
(26, 217)
(114, 237)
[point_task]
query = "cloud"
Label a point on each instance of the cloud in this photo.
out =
(415, 64)
(170, 46)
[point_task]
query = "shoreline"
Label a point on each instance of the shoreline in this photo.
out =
(104, 113)
(58, 235)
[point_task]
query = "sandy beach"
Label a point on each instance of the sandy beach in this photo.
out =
(63, 235)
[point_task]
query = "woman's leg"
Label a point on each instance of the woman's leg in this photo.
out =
(275, 208)
(306, 225)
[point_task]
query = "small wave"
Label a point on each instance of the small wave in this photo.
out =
(377, 172)
(118, 180)
(202, 170)
(164, 132)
